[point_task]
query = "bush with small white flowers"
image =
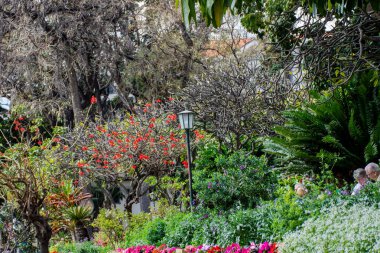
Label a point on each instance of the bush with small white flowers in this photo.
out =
(341, 229)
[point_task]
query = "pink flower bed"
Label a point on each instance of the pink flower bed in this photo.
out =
(264, 247)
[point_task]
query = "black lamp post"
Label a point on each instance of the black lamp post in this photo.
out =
(186, 119)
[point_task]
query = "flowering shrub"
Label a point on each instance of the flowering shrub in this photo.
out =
(265, 247)
(223, 180)
(340, 229)
(146, 143)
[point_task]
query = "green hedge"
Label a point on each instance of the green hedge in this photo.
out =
(85, 247)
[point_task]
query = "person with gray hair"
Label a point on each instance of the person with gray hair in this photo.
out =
(373, 171)
(360, 176)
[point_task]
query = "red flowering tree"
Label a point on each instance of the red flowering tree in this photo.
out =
(136, 146)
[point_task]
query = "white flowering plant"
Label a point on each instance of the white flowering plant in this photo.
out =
(342, 228)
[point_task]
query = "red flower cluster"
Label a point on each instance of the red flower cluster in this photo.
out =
(93, 100)
(143, 142)
(18, 126)
(198, 136)
(185, 164)
(143, 157)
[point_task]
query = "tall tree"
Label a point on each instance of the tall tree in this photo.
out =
(65, 50)
(168, 53)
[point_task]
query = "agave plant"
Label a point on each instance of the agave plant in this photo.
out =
(79, 217)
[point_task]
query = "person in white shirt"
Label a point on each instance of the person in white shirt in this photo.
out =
(360, 176)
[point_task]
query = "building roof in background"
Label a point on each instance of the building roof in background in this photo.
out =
(216, 48)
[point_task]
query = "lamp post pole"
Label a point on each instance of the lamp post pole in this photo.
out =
(186, 119)
(189, 167)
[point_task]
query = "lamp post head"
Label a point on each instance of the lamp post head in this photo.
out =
(186, 119)
(132, 99)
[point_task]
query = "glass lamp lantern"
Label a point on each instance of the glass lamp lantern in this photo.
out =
(186, 119)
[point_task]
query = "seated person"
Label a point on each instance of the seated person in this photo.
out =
(360, 176)
(373, 171)
(300, 189)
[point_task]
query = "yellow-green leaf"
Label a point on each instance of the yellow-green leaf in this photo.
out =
(218, 9)
(329, 5)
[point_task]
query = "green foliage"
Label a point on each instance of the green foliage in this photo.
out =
(112, 223)
(5, 133)
(85, 247)
(168, 187)
(369, 195)
(257, 12)
(78, 214)
(213, 228)
(339, 130)
(342, 229)
(226, 180)
(138, 233)
(156, 232)
(180, 228)
(269, 221)
(151, 228)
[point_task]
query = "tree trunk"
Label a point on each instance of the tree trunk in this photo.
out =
(81, 233)
(144, 199)
(72, 233)
(43, 233)
(74, 90)
(44, 246)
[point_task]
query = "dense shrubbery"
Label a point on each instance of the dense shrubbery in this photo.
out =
(223, 181)
(183, 229)
(85, 247)
(340, 129)
(112, 225)
(269, 221)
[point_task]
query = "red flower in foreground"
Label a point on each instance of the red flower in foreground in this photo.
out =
(273, 248)
(185, 164)
(93, 100)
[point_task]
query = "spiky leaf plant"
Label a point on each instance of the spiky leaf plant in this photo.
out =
(338, 130)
